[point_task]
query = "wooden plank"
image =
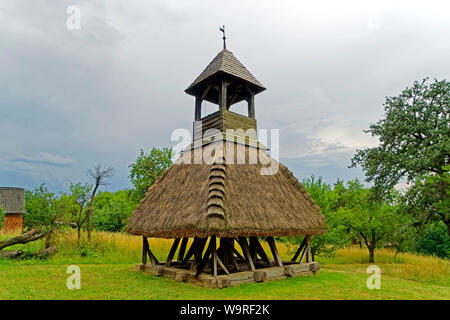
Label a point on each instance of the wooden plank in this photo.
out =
(172, 252)
(183, 245)
(244, 245)
(300, 248)
(274, 250)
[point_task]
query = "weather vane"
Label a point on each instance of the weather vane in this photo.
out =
(224, 38)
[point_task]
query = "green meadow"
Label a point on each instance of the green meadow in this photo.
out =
(107, 265)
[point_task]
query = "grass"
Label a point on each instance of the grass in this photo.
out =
(107, 272)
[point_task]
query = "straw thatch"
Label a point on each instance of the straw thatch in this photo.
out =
(226, 199)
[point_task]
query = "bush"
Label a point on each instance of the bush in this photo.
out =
(435, 241)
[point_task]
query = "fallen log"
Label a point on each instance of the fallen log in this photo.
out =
(8, 254)
(45, 253)
(29, 236)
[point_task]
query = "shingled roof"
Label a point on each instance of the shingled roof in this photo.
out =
(227, 200)
(227, 63)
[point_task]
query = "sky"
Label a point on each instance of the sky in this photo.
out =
(72, 98)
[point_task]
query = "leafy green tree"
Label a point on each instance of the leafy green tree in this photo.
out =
(373, 220)
(43, 209)
(337, 235)
(112, 210)
(414, 136)
(80, 195)
(147, 168)
(428, 200)
(435, 241)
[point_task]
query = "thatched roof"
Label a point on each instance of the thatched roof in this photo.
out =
(226, 200)
(226, 62)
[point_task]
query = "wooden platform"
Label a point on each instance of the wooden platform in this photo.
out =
(264, 273)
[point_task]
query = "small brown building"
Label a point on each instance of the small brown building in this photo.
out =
(12, 201)
(222, 212)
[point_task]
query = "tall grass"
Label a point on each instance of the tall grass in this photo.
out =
(403, 265)
(120, 248)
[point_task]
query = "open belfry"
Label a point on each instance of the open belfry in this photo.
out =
(225, 199)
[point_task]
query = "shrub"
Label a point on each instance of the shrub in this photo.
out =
(435, 241)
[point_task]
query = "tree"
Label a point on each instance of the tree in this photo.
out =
(435, 241)
(79, 195)
(100, 175)
(414, 136)
(147, 168)
(428, 200)
(112, 210)
(43, 210)
(336, 237)
(373, 220)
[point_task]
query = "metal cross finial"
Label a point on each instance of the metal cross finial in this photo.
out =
(224, 38)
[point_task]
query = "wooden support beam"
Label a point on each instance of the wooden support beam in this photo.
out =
(253, 248)
(244, 245)
(214, 255)
(205, 259)
(274, 250)
(221, 265)
(206, 91)
(308, 248)
(172, 252)
(198, 254)
(251, 106)
(299, 250)
(198, 108)
(191, 250)
(237, 253)
(182, 249)
(261, 252)
(144, 250)
(152, 257)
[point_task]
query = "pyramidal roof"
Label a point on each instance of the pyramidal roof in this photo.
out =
(226, 200)
(226, 62)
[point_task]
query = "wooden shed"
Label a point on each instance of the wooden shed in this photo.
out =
(225, 195)
(12, 201)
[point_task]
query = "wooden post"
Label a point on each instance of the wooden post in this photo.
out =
(223, 95)
(191, 250)
(172, 252)
(147, 250)
(198, 108)
(261, 252)
(308, 249)
(244, 245)
(214, 255)
(205, 259)
(274, 250)
(144, 250)
(198, 254)
(300, 248)
(251, 106)
(182, 249)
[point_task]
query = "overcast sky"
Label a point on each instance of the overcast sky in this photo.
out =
(72, 98)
